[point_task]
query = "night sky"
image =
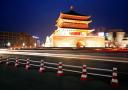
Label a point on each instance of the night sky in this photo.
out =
(38, 17)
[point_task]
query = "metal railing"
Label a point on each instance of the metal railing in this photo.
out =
(47, 65)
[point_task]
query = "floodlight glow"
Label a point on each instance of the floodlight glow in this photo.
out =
(8, 44)
(35, 37)
(101, 34)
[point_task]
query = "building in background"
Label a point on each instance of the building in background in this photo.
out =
(73, 31)
(114, 37)
(16, 40)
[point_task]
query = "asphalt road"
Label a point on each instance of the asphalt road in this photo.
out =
(70, 58)
(12, 78)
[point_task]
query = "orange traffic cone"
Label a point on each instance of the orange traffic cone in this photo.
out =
(114, 81)
(7, 62)
(16, 62)
(41, 69)
(60, 70)
(27, 64)
(84, 73)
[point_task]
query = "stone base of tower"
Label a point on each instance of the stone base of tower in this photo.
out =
(73, 41)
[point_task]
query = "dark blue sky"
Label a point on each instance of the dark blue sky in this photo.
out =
(38, 17)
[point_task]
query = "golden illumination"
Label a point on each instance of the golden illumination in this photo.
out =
(73, 31)
(68, 31)
(60, 20)
(73, 25)
(75, 17)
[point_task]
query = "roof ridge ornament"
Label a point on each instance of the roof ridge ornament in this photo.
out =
(71, 7)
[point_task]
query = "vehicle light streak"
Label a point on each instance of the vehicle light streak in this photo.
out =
(88, 57)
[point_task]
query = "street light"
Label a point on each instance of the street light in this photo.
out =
(23, 44)
(8, 44)
(35, 44)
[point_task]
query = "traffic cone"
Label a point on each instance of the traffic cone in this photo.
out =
(16, 62)
(7, 61)
(114, 81)
(84, 73)
(41, 69)
(27, 64)
(60, 70)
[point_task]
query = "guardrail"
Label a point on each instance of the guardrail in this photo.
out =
(37, 64)
(54, 66)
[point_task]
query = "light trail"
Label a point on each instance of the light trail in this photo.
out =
(85, 57)
(82, 55)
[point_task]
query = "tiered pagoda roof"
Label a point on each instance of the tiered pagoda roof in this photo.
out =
(72, 19)
(74, 15)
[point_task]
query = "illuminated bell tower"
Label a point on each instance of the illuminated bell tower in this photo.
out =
(72, 30)
(72, 23)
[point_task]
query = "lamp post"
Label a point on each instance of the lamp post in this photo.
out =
(35, 44)
(23, 44)
(8, 44)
